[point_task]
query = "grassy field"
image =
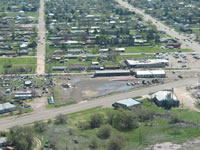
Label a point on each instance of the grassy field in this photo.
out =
(157, 131)
(17, 63)
(147, 49)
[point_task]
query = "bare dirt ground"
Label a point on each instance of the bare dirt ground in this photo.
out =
(39, 104)
(41, 42)
(186, 99)
(189, 145)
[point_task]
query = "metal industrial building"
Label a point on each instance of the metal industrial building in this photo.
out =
(127, 103)
(112, 73)
(151, 74)
(161, 97)
(149, 63)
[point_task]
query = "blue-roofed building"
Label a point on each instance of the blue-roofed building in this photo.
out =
(127, 103)
(7, 107)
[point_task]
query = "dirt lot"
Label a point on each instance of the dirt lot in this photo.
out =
(189, 145)
(39, 104)
(74, 89)
(186, 99)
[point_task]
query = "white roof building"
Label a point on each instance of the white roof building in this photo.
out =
(147, 63)
(151, 74)
(163, 95)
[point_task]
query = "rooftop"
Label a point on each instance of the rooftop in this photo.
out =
(129, 102)
(162, 95)
(112, 71)
(150, 72)
(148, 61)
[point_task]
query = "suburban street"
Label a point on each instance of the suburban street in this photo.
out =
(41, 41)
(106, 101)
(186, 41)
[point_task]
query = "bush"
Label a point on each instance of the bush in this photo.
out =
(61, 119)
(96, 120)
(125, 120)
(174, 119)
(84, 125)
(116, 143)
(104, 132)
(93, 144)
(144, 115)
(40, 126)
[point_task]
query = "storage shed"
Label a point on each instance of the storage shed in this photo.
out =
(127, 103)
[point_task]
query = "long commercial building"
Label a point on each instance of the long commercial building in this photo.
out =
(149, 63)
(112, 73)
(151, 74)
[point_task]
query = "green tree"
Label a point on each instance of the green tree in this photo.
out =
(104, 132)
(125, 120)
(40, 126)
(96, 120)
(93, 144)
(61, 119)
(116, 142)
(21, 138)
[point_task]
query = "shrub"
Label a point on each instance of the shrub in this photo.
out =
(174, 119)
(96, 120)
(61, 119)
(104, 132)
(125, 120)
(84, 125)
(40, 126)
(116, 143)
(93, 144)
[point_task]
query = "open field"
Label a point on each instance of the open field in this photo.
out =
(157, 131)
(11, 64)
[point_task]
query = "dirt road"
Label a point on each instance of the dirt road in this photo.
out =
(38, 144)
(160, 26)
(41, 41)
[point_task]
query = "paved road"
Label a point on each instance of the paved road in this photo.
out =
(6, 123)
(160, 26)
(41, 42)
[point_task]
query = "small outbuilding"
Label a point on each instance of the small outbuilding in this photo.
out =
(28, 83)
(127, 103)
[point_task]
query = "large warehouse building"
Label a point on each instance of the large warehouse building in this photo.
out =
(151, 74)
(112, 73)
(149, 63)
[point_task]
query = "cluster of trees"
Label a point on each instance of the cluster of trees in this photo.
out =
(21, 137)
(122, 120)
